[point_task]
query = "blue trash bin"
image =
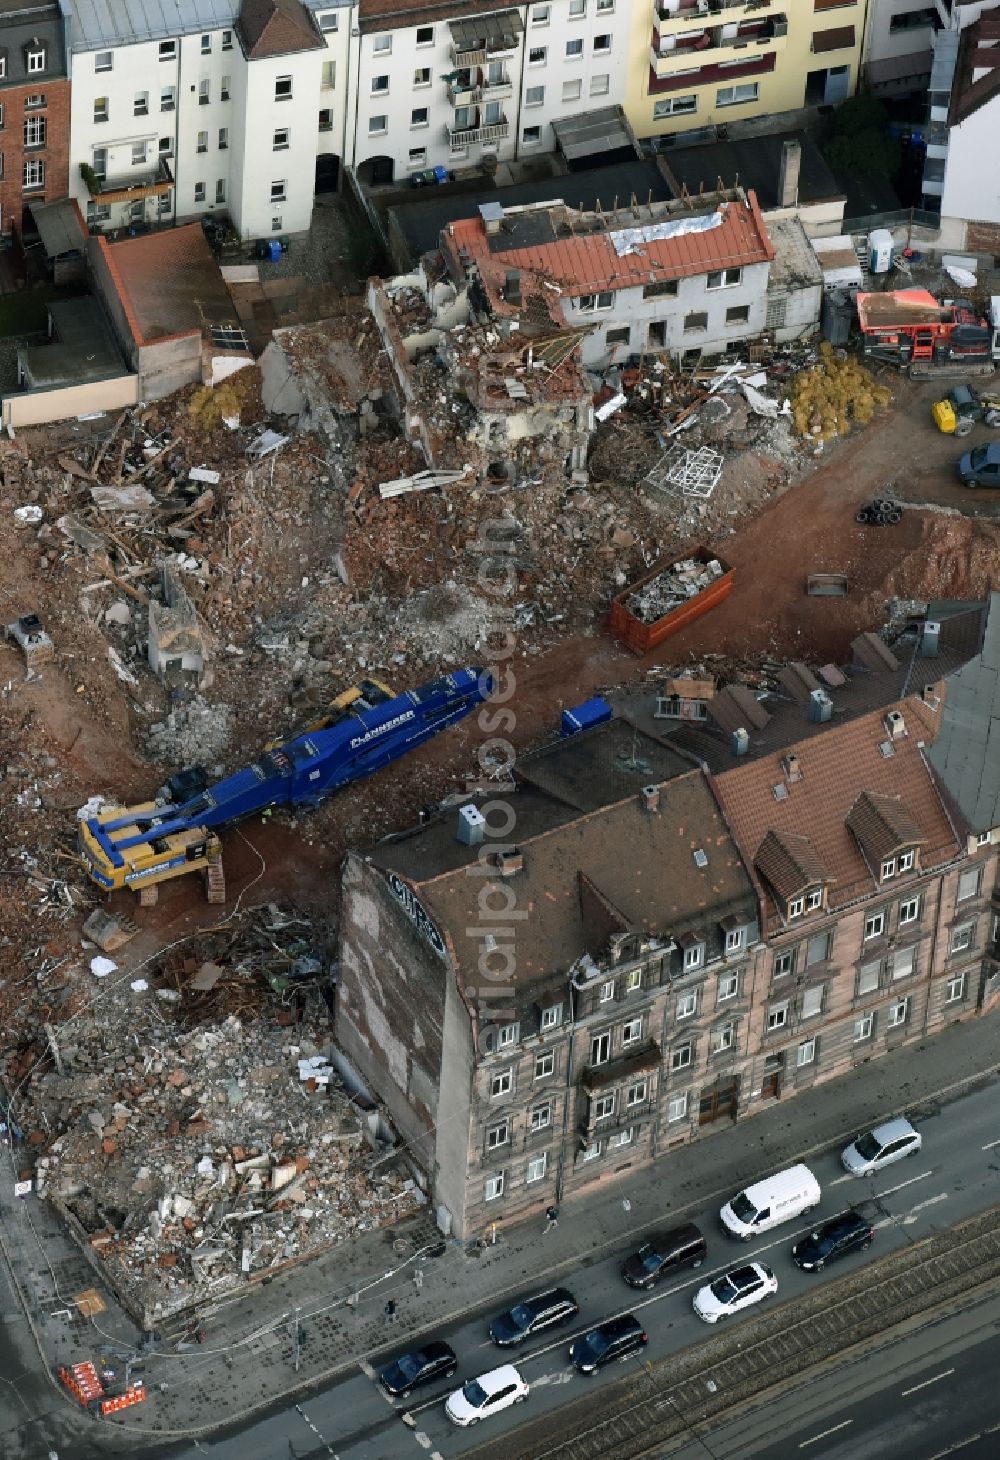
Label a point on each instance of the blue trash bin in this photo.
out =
(274, 250)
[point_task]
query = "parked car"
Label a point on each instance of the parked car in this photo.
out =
(880, 1147)
(836, 1238)
(663, 1255)
(422, 1366)
(487, 1395)
(770, 1202)
(735, 1291)
(981, 466)
(531, 1315)
(618, 1338)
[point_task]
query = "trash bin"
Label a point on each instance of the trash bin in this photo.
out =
(274, 250)
(441, 174)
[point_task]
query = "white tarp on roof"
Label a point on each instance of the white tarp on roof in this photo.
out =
(627, 240)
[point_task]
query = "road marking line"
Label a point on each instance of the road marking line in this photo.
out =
(946, 1373)
(989, 1145)
(911, 1215)
(893, 1189)
(823, 1436)
(424, 1441)
(366, 1368)
(840, 1180)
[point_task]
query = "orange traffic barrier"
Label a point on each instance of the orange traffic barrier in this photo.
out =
(82, 1381)
(123, 1401)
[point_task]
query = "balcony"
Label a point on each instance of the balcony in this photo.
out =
(636, 1062)
(475, 88)
(689, 10)
(141, 182)
(721, 75)
(474, 42)
(488, 132)
(721, 42)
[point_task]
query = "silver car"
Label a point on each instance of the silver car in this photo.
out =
(880, 1147)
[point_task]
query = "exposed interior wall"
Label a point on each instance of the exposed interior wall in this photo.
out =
(107, 291)
(166, 365)
(36, 407)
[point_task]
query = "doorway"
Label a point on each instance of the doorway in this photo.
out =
(718, 1101)
(774, 1067)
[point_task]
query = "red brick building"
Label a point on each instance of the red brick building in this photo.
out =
(34, 110)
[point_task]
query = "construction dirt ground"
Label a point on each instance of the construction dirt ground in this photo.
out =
(180, 1117)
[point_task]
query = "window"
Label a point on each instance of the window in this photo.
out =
(166, 146)
(636, 1094)
(220, 190)
(531, 135)
(812, 1001)
(34, 99)
(695, 322)
(592, 1150)
(796, 907)
(138, 154)
(818, 948)
(36, 61)
(541, 1117)
(631, 1032)
(587, 303)
(618, 336)
(955, 989)
(421, 76)
(602, 45)
(282, 88)
(278, 191)
(777, 1017)
(574, 49)
(734, 939)
(199, 192)
(607, 991)
(620, 1138)
(34, 174)
(888, 868)
(723, 278)
(34, 133)
(534, 95)
(633, 981)
(3, 67)
(536, 1167)
(729, 986)
(425, 35)
(600, 1048)
(104, 61)
(784, 963)
(740, 314)
(806, 1053)
(382, 45)
(537, 55)
(604, 1107)
(864, 1028)
(163, 204)
(687, 1004)
(909, 911)
(202, 142)
(968, 884)
(544, 1065)
(694, 953)
(577, 9)
(328, 76)
(671, 105)
(904, 962)
(493, 1186)
(982, 837)
(502, 1083)
(206, 45)
(906, 861)
(418, 157)
(328, 22)
(223, 139)
(227, 35)
(869, 975)
(100, 108)
(204, 93)
(604, 7)
(600, 85)
(167, 99)
(378, 125)
(275, 222)
(681, 1057)
(737, 95)
(572, 90)
(224, 88)
(962, 938)
(418, 117)
(140, 105)
(540, 15)
(507, 1035)
(722, 1038)
(814, 899)
(380, 86)
(897, 1013)
(498, 1135)
(168, 50)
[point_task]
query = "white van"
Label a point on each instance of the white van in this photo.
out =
(770, 1202)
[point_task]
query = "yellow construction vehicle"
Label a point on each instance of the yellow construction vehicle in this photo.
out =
(962, 407)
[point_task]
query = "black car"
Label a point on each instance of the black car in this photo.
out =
(434, 1361)
(662, 1255)
(837, 1237)
(616, 1339)
(531, 1315)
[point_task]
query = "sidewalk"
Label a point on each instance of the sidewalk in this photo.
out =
(247, 1359)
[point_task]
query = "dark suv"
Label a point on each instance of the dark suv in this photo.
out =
(837, 1237)
(662, 1255)
(531, 1315)
(616, 1339)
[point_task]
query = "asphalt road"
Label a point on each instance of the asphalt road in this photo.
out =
(955, 1176)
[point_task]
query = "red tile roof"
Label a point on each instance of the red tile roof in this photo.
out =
(277, 28)
(169, 283)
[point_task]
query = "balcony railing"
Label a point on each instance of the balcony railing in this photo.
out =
(491, 50)
(475, 89)
(750, 37)
(489, 132)
(704, 9)
(141, 182)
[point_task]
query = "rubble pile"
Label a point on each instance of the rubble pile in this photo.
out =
(674, 586)
(834, 395)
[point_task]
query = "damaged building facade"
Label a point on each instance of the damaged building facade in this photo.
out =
(658, 932)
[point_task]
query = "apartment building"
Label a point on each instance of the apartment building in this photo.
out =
(964, 104)
(34, 110)
(672, 923)
(899, 44)
(209, 105)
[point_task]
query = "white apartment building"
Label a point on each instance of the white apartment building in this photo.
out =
(233, 106)
(439, 89)
(899, 42)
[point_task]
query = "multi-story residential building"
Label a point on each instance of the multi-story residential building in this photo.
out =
(658, 930)
(34, 110)
(213, 105)
(964, 104)
(899, 43)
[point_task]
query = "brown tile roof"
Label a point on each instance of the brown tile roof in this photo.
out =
(799, 681)
(788, 862)
(169, 283)
(737, 708)
(277, 28)
(872, 652)
(883, 826)
(376, 15)
(968, 92)
(836, 765)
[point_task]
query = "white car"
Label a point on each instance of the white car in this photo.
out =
(734, 1291)
(491, 1392)
(880, 1147)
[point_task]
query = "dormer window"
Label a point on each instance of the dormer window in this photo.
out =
(693, 956)
(633, 981)
(814, 899)
(36, 58)
(906, 861)
(734, 940)
(552, 1016)
(888, 868)
(796, 907)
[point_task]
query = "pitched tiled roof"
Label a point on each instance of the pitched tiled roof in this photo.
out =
(872, 652)
(788, 862)
(737, 708)
(977, 53)
(883, 825)
(277, 28)
(169, 283)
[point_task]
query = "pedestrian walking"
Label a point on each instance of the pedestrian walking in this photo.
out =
(418, 1279)
(551, 1218)
(390, 1311)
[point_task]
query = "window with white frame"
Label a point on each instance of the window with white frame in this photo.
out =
(417, 157)
(777, 1017)
(101, 111)
(328, 76)
(888, 868)
(282, 88)
(677, 1107)
(536, 1167)
(588, 303)
(419, 118)
(897, 1013)
(140, 104)
(552, 1016)
(805, 1054)
(99, 161)
(138, 154)
(422, 76)
(507, 1035)
(220, 190)
(33, 99)
(501, 1083)
(329, 21)
(869, 975)
(722, 1037)
(694, 955)
(380, 85)
(498, 1135)
(282, 139)
(814, 898)
(955, 988)
(796, 907)
(983, 838)
(904, 961)
(278, 190)
(600, 1048)
(636, 1093)
(737, 95)
(602, 45)
(204, 92)
(537, 55)
(672, 105)
(729, 986)
(378, 124)
(104, 61)
(962, 938)
(227, 36)
(604, 7)
(493, 1186)
(681, 1056)
(604, 1107)
(723, 278)
(874, 926)
(206, 45)
(199, 192)
(34, 173)
(531, 135)
(574, 49)
(812, 1000)
(968, 884)
(864, 1028)
(382, 45)
(223, 139)
(784, 963)
(425, 35)
(276, 224)
(906, 861)
(534, 95)
(202, 142)
(545, 1064)
(909, 911)
(607, 990)
(541, 1117)
(3, 67)
(734, 939)
(541, 14)
(225, 87)
(592, 1149)
(633, 980)
(621, 1138)
(687, 1004)
(577, 9)
(36, 60)
(600, 85)
(631, 1032)
(34, 133)
(572, 90)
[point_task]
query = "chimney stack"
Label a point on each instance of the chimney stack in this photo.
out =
(512, 287)
(930, 639)
(470, 828)
(788, 177)
(651, 796)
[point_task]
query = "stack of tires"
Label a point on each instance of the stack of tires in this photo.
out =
(882, 512)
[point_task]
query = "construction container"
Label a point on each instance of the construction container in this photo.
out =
(592, 712)
(682, 589)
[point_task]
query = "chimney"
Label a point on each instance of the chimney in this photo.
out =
(791, 766)
(512, 287)
(895, 725)
(492, 216)
(651, 797)
(509, 861)
(788, 177)
(471, 826)
(740, 741)
(820, 707)
(929, 640)
(930, 696)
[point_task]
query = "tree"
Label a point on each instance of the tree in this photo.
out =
(861, 140)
